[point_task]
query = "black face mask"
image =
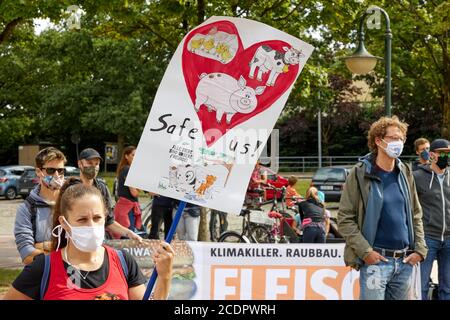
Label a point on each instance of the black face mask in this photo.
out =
(443, 162)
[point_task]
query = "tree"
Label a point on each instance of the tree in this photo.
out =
(85, 81)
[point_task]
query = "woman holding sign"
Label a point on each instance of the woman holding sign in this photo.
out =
(79, 266)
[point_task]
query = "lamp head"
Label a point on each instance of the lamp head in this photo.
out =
(361, 61)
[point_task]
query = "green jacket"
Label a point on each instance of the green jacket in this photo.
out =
(359, 211)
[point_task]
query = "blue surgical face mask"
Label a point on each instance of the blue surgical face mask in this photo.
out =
(425, 155)
(393, 149)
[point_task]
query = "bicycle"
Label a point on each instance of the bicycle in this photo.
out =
(251, 232)
(281, 230)
(147, 215)
(254, 231)
(216, 223)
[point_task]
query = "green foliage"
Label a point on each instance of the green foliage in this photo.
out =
(100, 81)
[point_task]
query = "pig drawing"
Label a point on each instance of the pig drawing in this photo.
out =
(226, 95)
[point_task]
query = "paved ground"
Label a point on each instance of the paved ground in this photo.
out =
(9, 257)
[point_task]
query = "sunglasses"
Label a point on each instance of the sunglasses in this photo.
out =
(53, 170)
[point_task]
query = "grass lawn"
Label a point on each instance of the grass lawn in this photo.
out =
(302, 185)
(7, 276)
(109, 178)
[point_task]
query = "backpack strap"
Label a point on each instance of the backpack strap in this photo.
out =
(44, 280)
(123, 263)
(31, 204)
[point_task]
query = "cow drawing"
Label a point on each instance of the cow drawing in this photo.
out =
(267, 59)
(226, 95)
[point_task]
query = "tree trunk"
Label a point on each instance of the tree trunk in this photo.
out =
(203, 231)
(325, 139)
(200, 11)
(445, 90)
(120, 147)
(445, 131)
(6, 33)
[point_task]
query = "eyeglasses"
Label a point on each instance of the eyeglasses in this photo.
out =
(53, 170)
(394, 138)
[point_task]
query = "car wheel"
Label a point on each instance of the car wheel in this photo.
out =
(10, 194)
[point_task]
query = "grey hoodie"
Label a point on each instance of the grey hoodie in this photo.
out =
(23, 228)
(435, 201)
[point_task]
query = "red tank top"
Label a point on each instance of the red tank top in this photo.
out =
(61, 287)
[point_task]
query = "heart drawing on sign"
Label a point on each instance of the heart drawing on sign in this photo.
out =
(229, 84)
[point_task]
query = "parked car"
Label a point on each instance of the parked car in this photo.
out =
(9, 178)
(276, 180)
(331, 180)
(71, 171)
(29, 179)
(27, 182)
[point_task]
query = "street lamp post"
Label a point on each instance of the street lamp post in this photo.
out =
(362, 62)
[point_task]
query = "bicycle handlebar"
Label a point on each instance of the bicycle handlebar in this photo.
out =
(269, 186)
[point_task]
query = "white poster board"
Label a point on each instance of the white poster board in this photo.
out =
(217, 103)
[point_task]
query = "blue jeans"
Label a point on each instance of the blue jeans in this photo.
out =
(439, 250)
(389, 280)
(313, 235)
(188, 227)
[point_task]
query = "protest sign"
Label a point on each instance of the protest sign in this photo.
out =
(216, 105)
(224, 271)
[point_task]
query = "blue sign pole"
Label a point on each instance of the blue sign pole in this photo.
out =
(168, 239)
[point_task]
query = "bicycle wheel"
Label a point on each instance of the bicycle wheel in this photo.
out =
(260, 234)
(147, 215)
(214, 226)
(232, 237)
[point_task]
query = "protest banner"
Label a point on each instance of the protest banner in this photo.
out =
(223, 271)
(217, 103)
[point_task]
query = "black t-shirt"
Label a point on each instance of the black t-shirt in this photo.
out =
(29, 280)
(108, 201)
(123, 190)
(312, 209)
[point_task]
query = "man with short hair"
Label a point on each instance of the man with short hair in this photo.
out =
(422, 147)
(89, 164)
(32, 227)
(380, 216)
(433, 188)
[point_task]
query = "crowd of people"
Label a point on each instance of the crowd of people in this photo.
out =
(60, 229)
(392, 215)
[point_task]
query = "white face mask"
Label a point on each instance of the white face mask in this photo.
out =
(86, 239)
(394, 149)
